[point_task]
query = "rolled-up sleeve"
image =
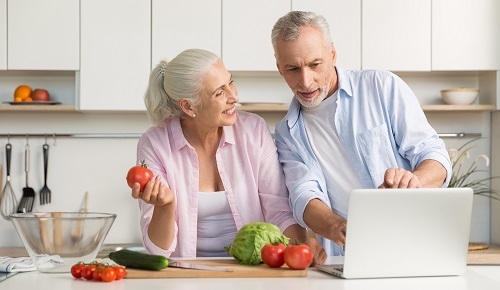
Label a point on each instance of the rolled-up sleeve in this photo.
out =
(417, 140)
(301, 183)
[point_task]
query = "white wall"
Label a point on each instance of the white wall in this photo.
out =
(76, 165)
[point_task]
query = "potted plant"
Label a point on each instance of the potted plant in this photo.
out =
(464, 175)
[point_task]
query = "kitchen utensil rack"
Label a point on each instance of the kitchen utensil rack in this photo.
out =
(138, 135)
(73, 135)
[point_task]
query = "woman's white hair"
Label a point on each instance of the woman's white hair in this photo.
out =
(170, 82)
(288, 27)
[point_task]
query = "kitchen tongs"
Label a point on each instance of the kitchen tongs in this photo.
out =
(28, 198)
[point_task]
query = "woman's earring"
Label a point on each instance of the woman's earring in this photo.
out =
(194, 115)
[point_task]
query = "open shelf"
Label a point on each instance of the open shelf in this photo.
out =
(40, 108)
(264, 108)
(258, 108)
(426, 108)
(458, 108)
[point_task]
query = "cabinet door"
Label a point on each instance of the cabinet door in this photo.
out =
(115, 54)
(396, 35)
(3, 34)
(246, 33)
(43, 34)
(344, 20)
(180, 25)
(466, 35)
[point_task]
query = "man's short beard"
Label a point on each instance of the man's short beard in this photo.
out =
(314, 102)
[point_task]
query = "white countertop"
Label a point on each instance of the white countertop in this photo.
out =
(476, 277)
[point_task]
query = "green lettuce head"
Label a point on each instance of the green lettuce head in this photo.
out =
(250, 240)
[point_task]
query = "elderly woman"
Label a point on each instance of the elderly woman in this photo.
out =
(216, 169)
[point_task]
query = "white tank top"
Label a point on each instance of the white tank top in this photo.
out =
(340, 177)
(216, 226)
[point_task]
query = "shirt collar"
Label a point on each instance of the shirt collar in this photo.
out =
(176, 129)
(344, 84)
(180, 141)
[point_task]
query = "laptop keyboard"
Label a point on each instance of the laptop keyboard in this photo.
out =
(339, 269)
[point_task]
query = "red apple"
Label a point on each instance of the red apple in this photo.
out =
(40, 95)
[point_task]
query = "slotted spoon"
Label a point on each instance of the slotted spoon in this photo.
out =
(28, 198)
(45, 194)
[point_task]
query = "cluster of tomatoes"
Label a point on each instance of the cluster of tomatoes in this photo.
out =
(297, 257)
(98, 271)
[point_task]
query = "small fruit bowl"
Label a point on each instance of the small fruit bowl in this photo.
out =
(460, 96)
(70, 237)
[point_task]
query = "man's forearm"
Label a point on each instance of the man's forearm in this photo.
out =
(430, 173)
(296, 233)
(323, 221)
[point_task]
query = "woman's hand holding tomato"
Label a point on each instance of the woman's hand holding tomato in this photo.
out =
(147, 187)
(139, 174)
(155, 193)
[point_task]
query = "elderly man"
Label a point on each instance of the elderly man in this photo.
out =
(345, 130)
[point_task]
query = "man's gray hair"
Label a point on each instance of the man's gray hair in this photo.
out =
(288, 27)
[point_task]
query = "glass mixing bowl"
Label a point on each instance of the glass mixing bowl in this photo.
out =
(73, 236)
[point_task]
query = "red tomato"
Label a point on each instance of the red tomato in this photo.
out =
(139, 174)
(88, 272)
(298, 257)
(120, 272)
(77, 270)
(97, 275)
(108, 275)
(273, 255)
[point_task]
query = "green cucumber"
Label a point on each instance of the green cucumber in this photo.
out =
(138, 260)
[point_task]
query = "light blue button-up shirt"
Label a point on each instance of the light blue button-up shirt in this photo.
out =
(380, 125)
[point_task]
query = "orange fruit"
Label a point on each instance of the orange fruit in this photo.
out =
(22, 92)
(28, 99)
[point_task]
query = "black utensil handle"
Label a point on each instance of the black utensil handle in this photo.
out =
(45, 160)
(8, 152)
(27, 162)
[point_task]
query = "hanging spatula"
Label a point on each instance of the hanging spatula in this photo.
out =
(28, 198)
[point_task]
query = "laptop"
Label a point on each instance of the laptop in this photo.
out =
(406, 233)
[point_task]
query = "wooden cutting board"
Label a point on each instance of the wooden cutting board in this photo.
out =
(489, 256)
(239, 271)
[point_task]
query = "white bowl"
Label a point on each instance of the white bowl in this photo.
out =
(460, 96)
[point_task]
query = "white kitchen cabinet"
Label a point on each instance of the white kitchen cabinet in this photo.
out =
(115, 54)
(43, 34)
(344, 20)
(246, 33)
(396, 35)
(3, 34)
(465, 35)
(180, 25)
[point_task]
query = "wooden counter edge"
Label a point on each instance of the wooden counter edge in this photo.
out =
(479, 257)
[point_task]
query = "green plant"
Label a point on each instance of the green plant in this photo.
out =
(463, 174)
